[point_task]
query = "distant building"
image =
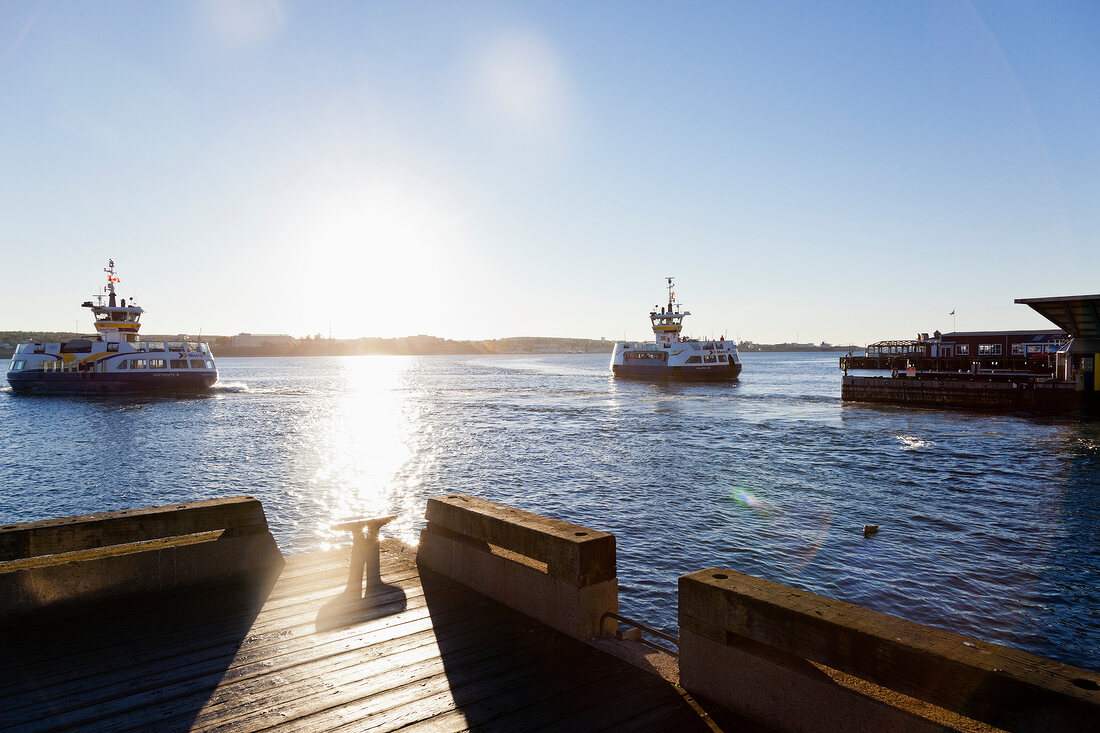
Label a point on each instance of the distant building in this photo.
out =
(253, 340)
(971, 344)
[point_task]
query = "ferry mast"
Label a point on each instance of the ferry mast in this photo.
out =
(114, 322)
(669, 320)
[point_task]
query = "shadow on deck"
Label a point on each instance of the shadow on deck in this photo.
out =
(419, 652)
(150, 663)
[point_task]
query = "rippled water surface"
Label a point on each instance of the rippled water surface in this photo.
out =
(989, 523)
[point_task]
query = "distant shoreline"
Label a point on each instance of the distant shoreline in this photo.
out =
(405, 346)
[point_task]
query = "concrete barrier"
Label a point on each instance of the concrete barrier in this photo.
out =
(559, 573)
(794, 660)
(984, 392)
(55, 562)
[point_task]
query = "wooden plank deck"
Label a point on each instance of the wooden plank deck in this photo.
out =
(418, 653)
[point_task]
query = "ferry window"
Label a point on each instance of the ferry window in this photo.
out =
(694, 360)
(209, 364)
(175, 346)
(710, 359)
(178, 363)
(122, 364)
(158, 364)
(155, 345)
(192, 346)
(112, 346)
(18, 366)
(722, 359)
(962, 349)
(137, 363)
(196, 364)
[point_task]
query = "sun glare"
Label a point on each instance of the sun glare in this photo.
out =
(378, 259)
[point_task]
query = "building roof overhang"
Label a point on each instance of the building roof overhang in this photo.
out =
(1078, 315)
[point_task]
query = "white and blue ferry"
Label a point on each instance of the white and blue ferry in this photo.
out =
(670, 356)
(116, 361)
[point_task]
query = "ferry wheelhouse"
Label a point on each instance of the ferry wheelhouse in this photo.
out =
(670, 356)
(116, 361)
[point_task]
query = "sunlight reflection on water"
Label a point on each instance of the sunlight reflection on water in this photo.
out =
(361, 445)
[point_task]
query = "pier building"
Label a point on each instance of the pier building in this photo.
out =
(1026, 350)
(1044, 371)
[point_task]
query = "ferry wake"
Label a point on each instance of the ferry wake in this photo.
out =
(116, 361)
(670, 356)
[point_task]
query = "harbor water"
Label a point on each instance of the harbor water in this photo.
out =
(989, 524)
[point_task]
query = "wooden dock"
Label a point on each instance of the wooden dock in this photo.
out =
(419, 652)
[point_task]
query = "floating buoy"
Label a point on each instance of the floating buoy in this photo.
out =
(870, 529)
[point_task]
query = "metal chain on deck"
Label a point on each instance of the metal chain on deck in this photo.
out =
(648, 629)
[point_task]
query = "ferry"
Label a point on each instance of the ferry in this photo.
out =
(117, 361)
(670, 356)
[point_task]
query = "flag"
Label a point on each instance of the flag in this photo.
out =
(952, 312)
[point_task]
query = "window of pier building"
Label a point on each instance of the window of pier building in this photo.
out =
(989, 349)
(962, 349)
(1018, 349)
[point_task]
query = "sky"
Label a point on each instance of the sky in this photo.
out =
(840, 172)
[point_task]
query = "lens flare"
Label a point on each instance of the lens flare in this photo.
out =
(745, 498)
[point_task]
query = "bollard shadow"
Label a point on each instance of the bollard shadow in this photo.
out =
(355, 606)
(151, 661)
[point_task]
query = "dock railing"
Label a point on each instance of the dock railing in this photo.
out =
(798, 661)
(55, 562)
(559, 573)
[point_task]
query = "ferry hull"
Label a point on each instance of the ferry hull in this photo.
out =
(29, 382)
(707, 373)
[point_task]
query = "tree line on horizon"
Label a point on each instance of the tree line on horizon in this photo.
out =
(400, 346)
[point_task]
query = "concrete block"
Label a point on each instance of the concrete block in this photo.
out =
(518, 583)
(784, 692)
(571, 552)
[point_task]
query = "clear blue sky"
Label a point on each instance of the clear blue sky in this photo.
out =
(819, 171)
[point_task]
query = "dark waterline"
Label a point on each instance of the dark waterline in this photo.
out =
(989, 523)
